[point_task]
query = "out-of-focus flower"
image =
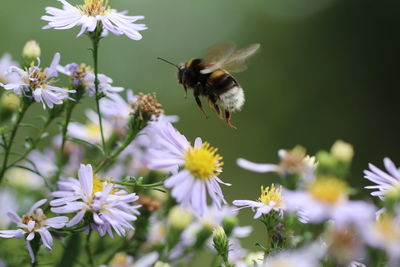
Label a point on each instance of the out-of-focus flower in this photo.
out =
(200, 164)
(90, 131)
(304, 257)
(89, 15)
(35, 222)
(37, 83)
(384, 233)
(24, 178)
(385, 181)
(342, 151)
(122, 259)
(10, 101)
(45, 162)
(293, 161)
(8, 202)
(6, 76)
(109, 205)
(327, 198)
(270, 199)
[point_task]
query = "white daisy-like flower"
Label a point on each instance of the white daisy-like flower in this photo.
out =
(83, 75)
(385, 181)
(89, 14)
(90, 131)
(270, 199)
(200, 165)
(37, 83)
(293, 161)
(110, 206)
(6, 63)
(122, 259)
(327, 198)
(35, 222)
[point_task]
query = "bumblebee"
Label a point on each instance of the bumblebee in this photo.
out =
(210, 77)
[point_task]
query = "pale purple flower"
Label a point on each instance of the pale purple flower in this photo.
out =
(200, 168)
(35, 222)
(385, 181)
(110, 207)
(38, 83)
(89, 14)
(9, 203)
(270, 200)
(83, 75)
(6, 63)
(293, 161)
(90, 131)
(121, 259)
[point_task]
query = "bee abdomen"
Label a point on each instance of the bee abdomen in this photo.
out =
(233, 99)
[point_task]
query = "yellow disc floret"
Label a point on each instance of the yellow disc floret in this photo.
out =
(94, 7)
(269, 194)
(203, 162)
(328, 189)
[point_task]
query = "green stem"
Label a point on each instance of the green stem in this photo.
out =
(88, 250)
(137, 126)
(96, 41)
(35, 142)
(8, 145)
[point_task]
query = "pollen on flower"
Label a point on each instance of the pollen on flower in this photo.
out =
(203, 162)
(98, 185)
(37, 78)
(37, 216)
(94, 7)
(269, 194)
(328, 189)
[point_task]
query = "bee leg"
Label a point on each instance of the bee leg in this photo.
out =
(184, 87)
(198, 101)
(213, 104)
(228, 120)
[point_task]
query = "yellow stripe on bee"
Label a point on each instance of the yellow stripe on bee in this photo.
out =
(216, 74)
(189, 63)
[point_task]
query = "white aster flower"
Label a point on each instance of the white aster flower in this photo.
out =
(35, 222)
(327, 198)
(109, 206)
(385, 181)
(90, 131)
(122, 259)
(89, 15)
(200, 164)
(293, 161)
(6, 63)
(8, 202)
(270, 199)
(37, 83)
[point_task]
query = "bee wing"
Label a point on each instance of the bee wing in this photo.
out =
(217, 55)
(237, 62)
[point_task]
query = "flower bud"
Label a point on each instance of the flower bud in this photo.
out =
(31, 51)
(342, 151)
(179, 218)
(221, 243)
(229, 223)
(161, 264)
(10, 101)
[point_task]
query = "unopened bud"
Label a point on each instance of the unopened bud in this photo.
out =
(229, 223)
(179, 218)
(10, 101)
(221, 243)
(342, 151)
(31, 51)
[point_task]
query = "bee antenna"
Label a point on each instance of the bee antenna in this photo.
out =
(169, 62)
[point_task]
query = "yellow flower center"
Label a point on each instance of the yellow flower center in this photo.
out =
(203, 162)
(388, 228)
(37, 216)
(94, 7)
(93, 129)
(98, 185)
(328, 189)
(269, 194)
(37, 78)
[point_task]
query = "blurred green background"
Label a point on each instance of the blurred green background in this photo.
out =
(327, 70)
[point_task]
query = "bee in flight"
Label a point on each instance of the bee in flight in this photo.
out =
(210, 77)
